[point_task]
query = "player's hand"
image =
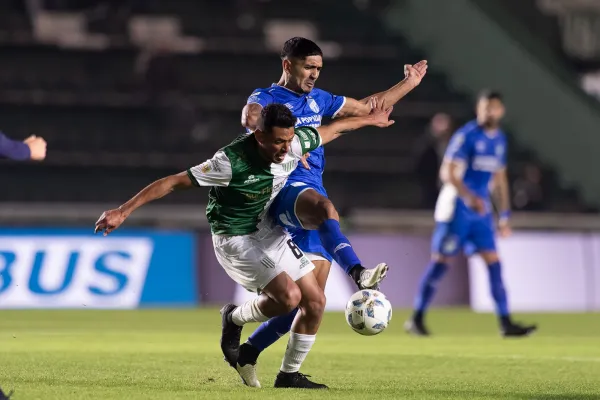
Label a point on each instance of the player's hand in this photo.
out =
(37, 147)
(415, 73)
(504, 228)
(477, 204)
(304, 161)
(380, 114)
(109, 221)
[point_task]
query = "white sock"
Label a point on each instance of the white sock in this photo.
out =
(297, 349)
(248, 312)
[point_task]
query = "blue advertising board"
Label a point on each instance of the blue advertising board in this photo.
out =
(73, 268)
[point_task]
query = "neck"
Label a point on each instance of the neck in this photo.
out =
(285, 82)
(261, 152)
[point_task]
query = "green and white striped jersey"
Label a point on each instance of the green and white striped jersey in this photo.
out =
(244, 184)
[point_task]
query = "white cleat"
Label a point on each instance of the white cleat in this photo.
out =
(248, 375)
(370, 278)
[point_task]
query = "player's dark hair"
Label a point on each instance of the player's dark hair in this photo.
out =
(299, 47)
(488, 94)
(276, 115)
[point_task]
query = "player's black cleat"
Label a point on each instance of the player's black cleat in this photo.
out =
(296, 380)
(416, 327)
(516, 330)
(230, 335)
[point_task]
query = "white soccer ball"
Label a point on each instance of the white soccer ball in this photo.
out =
(368, 312)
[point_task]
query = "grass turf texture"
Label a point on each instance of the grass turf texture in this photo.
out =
(174, 354)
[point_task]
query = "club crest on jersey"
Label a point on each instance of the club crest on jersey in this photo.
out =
(205, 167)
(499, 150)
(480, 146)
(313, 105)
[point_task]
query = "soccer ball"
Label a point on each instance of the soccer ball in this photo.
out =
(368, 312)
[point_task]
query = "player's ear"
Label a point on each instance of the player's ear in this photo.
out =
(287, 65)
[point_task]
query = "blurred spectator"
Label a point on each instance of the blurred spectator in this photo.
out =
(528, 192)
(429, 152)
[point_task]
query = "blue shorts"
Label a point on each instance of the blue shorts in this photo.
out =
(467, 230)
(283, 211)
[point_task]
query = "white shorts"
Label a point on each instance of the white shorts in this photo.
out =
(254, 260)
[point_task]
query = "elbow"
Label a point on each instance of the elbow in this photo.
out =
(250, 121)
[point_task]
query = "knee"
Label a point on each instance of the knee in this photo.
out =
(325, 210)
(290, 299)
(315, 305)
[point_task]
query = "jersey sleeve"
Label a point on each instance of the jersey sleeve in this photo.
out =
(502, 149)
(260, 96)
(307, 139)
(214, 172)
(332, 103)
(459, 147)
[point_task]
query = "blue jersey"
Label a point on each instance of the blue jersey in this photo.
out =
(309, 109)
(481, 155)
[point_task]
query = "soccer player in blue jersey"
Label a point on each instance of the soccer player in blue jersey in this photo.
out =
(302, 206)
(475, 157)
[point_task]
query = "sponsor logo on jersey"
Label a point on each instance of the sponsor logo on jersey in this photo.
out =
(313, 120)
(486, 163)
(251, 179)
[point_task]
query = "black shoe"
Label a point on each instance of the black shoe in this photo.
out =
(416, 327)
(230, 335)
(5, 396)
(248, 354)
(517, 330)
(296, 380)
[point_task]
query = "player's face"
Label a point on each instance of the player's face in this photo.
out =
(275, 145)
(304, 73)
(490, 112)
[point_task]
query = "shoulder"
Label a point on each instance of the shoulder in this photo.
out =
(261, 94)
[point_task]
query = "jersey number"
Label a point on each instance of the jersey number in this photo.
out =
(297, 252)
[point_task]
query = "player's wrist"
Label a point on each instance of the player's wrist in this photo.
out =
(504, 216)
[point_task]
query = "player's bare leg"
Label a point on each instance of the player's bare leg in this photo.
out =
(281, 296)
(508, 328)
(302, 336)
(317, 212)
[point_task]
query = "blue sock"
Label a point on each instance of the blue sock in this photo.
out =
(269, 332)
(338, 245)
(434, 273)
(497, 288)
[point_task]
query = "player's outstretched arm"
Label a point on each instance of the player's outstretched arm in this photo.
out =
(32, 148)
(379, 117)
(413, 74)
(112, 219)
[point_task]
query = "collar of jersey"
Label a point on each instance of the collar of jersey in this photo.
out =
(290, 90)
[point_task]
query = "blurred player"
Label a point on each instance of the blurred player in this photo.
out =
(245, 176)
(302, 206)
(32, 148)
(476, 154)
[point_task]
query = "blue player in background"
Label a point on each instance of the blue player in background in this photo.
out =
(475, 157)
(302, 206)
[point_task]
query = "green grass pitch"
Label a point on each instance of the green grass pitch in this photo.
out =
(174, 354)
